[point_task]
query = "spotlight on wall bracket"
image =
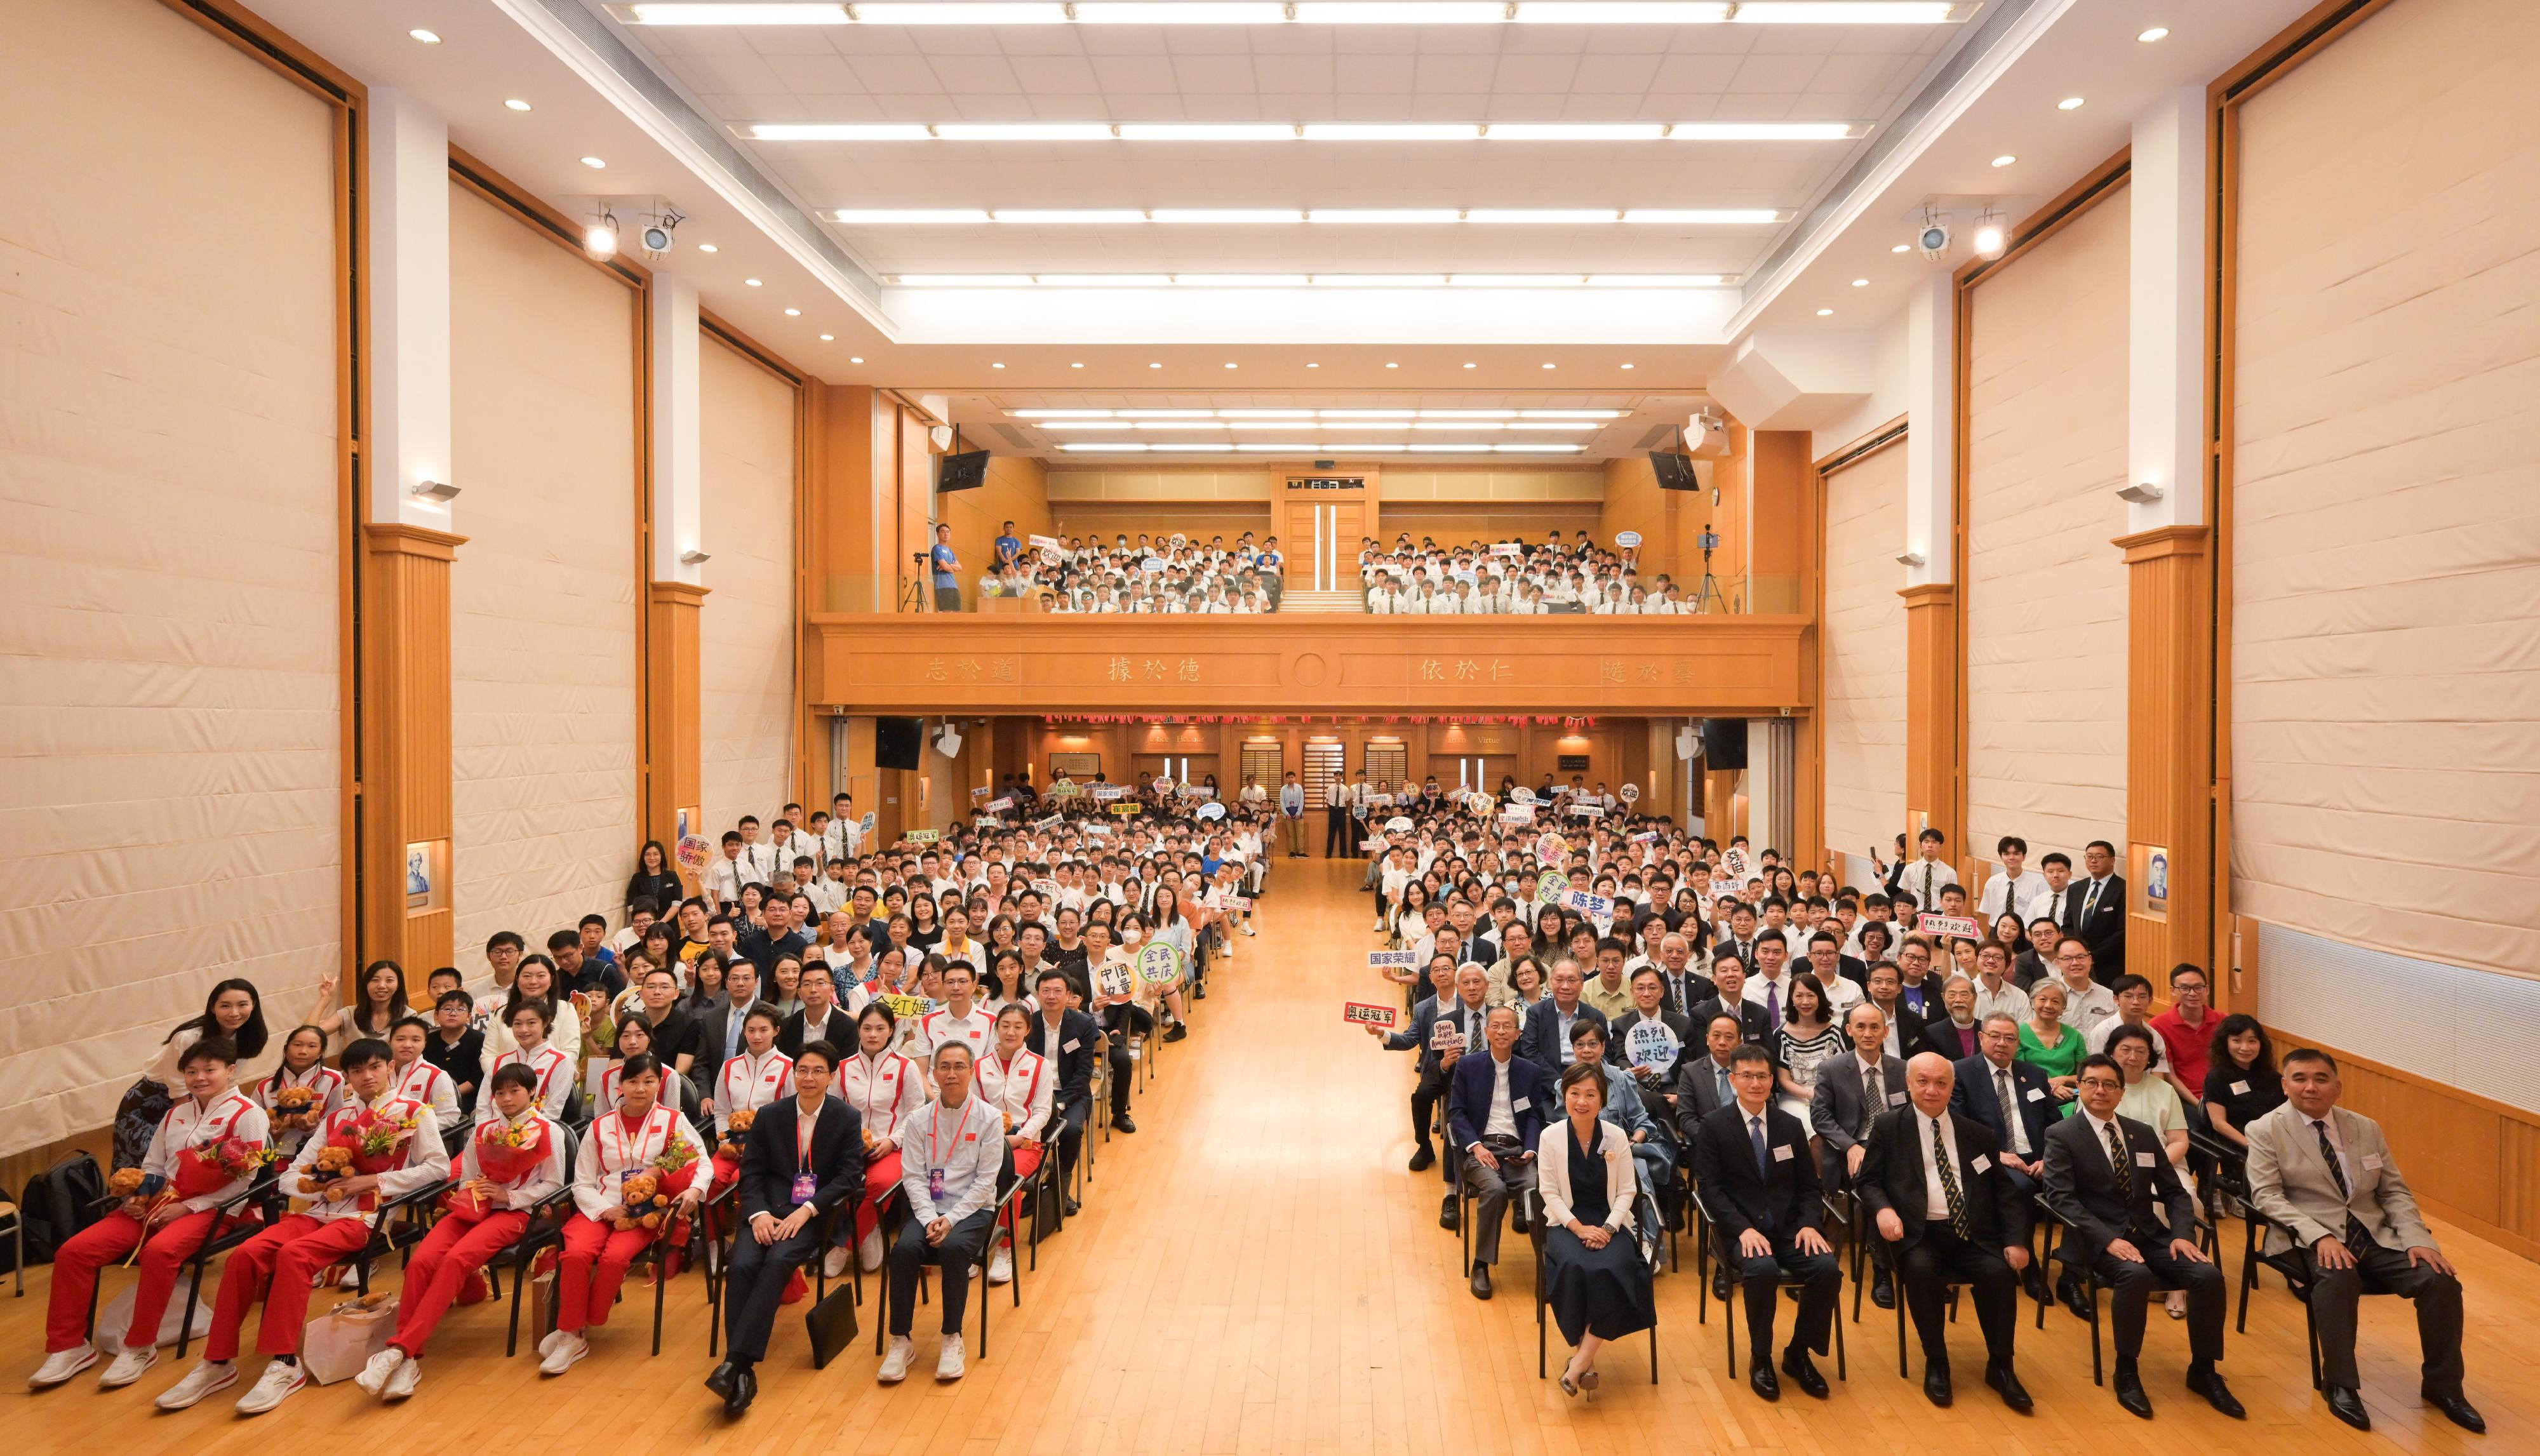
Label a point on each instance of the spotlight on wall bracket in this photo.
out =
(2142, 494)
(658, 235)
(1992, 238)
(694, 557)
(1909, 558)
(435, 492)
(599, 236)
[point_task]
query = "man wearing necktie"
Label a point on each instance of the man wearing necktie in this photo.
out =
(1759, 1187)
(1461, 1013)
(2324, 1179)
(1934, 1183)
(1928, 875)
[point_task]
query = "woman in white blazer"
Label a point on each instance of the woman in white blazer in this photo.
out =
(1594, 1277)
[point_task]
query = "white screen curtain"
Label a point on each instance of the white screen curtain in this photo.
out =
(2385, 649)
(544, 596)
(2045, 594)
(1864, 707)
(170, 543)
(745, 632)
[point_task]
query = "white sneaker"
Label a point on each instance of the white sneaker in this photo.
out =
(351, 1279)
(834, 1263)
(61, 1365)
(375, 1374)
(869, 1249)
(403, 1383)
(1001, 1267)
(1248, 929)
(554, 1338)
(951, 1365)
(272, 1388)
(896, 1360)
(206, 1378)
(567, 1351)
(128, 1368)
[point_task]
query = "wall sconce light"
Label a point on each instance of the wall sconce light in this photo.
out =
(2140, 494)
(694, 557)
(435, 492)
(1909, 558)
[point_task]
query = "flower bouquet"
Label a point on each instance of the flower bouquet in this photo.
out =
(209, 1166)
(297, 1109)
(505, 1155)
(367, 1144)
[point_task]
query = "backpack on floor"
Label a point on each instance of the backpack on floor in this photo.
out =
(57, 1203)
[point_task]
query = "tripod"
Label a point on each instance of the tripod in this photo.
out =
(1709, 595)
(914, 593)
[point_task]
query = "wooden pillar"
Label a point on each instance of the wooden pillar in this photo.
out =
(675, 779)
(1931, 784)
(406, 745)
(2169, 771)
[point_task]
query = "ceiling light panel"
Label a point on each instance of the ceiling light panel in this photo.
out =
(1287, 131)
(1301, 13)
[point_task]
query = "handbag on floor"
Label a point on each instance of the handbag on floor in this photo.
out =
(831, 1325)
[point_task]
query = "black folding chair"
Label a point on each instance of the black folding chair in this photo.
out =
(1721, 1248)
(2092, 1283)
(231, 1229)
(2291, 1262)
(1537, 1234)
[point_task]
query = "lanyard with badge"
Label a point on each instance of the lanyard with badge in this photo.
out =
(803, 1183)
(934, 1155)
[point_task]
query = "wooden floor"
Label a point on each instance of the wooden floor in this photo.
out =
(1255, 1272)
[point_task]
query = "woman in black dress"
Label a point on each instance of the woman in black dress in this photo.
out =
(2241, 1084)
(654, 879)
(1594, 1276)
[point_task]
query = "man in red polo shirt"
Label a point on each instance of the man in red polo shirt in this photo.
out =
(2186, 1029)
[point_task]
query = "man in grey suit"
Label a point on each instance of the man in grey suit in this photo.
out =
(1853, 1092)
(2327, 1175)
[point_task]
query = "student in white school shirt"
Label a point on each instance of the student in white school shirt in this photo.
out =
(1926, 876)
(2021, 895)
(729, 875)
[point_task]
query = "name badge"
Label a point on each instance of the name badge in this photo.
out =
(2146, 1161)
(2036, 1095)
(1066, 1046)
(1896, 1099)
(1782, 1155)
(1521, 1104)
(2239, 1089)
(1981, 1162)
(803, 1187)
(935, 1184)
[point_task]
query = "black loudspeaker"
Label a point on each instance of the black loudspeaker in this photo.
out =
(961, 472)
(1674, 472)
(897, 742)
(1723, 743)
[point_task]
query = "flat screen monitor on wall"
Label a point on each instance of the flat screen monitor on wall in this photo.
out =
(966, 472)
(897, 742)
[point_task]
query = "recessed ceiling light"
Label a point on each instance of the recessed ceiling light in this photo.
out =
(851, 359)
(1313, 366)
(1627, 366)
(592, 162)
(2068, 104)
(708, 248)
(426, 36)
(1551, 366)
(996, 366)
(1076, 366)
(2157, 32)
(1861, 283)
(828, 338)
(792, 312)
(517, 104)
(1389, 364)
(1476, 366)
(1902, 247)
(753, 282)
(2004, 160)
(1230, 364)
(1158, 365)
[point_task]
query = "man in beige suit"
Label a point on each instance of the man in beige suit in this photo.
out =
(2327, 1174)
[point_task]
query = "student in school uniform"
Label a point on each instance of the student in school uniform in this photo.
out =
(303, 1065)
(412, 1077)
(532, 1049)
(512, 1162)
(167, 1225)
(640, 1137)
(395, 1150)
(885, 1089)
(1022, 1085)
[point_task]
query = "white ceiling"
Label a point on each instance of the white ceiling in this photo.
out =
(1646, 421)
(1944, 107)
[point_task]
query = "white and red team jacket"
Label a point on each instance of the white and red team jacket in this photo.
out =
(427, 1084)
(555, 1079)
(977, 1031)
(535, 1186)
(749, 1083)
(189, 1124)
(1021, 1088)
(883, 1088)
(617, 1146)
(326, 1080)
(615, 1073)
(426, 1161)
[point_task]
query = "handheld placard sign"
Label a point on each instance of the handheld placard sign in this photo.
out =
(1735, 862)
(1046, 888)
(1398, 824)
(1117, 979)
(1164, 786)
(1549, 889)
(1552, 846)
(1153, 566)
(1125, 811)
(999, 806)
(1627, 539)
(1046, 543)
(1646, 836)
(1651, 1044)
(1480, 802)
(1160, 963)
(905, 1006)
(980, 793)
(1521, 794)
(865, 825)
(1105, 792)
(1368, 1013)
(922, 835)
(693, 853)
(1587, 811)
(1392, 960)
(1593, 906)
(1210, 812)
(1444, 1036)
(1051, 822)
(1629, 793)
(1234, 902)
(1965, 928)
(1506, 548)
(1518, 813)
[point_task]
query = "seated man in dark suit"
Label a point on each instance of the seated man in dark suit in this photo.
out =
(1852, 1090)
(2131, 1222)
(1729, 978)
(1496, 1106)
(1546, 1039)
(2013, 1099)
(821, 1018)
(1759, 1187)
(1933, 1181)
(780, 1195)
(1954, 1036)
(1417, 1035)
(1703, 1083)
(1068, 1040)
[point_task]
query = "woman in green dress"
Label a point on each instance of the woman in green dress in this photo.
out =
(2049, 1045)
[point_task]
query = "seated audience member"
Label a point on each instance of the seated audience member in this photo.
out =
(1495, 1112)
(1023, 1086)
(457, 1047)
(1759, 1187)
(1594, 1280)
(1546, 1039)
(885, 1087)
(2186, 1032)
(1853, 1090)
(1940, 1194)
(2012, 1098)
(635, 1039)
(2241, 1084)
(804, 1159)
(386, 1146)
(1703, 1082)
(1653, 1142)
(2130, 1221)
(2327, 1182)
(411, 1074)
(200, 1156)
(512, 1162)
(546, 1061)
(820, 1018)
(1069, 1041)
(2049, 1045)
(951, 1155)
(1729, 975)
(314, 1089)
(642, 1147)
(1953, 1035)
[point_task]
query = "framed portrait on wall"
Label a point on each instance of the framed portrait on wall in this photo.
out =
(427, 875)
(2151, 877)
